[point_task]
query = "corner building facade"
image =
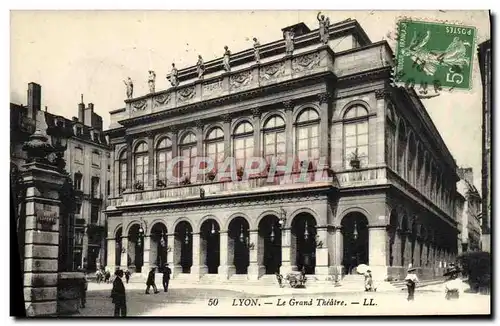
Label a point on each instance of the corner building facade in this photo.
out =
(324, 100)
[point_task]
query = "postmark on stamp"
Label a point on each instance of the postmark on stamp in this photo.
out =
(435, 56)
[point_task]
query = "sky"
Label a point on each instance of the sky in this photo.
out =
(70, 53)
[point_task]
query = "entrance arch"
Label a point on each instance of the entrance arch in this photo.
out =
(304, 242)
(183, 247)
(355, 239)
(210, 245)
(118, 247)
(270, 242)
(393, 227)
(238, 236)
(135, 257)
(158, 246)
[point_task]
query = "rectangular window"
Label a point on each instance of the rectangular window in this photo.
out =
(108, 188)
(95, 187)
(78, 154)
(78, 208)
(78, 181)
(94, 214)
(96, 159)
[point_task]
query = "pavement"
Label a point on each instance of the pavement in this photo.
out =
(255, 300)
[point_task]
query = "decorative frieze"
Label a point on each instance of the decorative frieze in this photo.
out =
(240, 80)
(186, 94)
(212, 88)
(306, 62)
(160, 100)
(272, 71)
(139, 105)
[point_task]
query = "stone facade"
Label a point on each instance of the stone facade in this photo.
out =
(469, 212)
(88, 159)
(484, 55)
(396, 208)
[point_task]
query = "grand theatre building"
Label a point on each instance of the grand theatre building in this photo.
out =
(389, 201)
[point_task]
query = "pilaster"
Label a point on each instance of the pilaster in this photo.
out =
(223, 269)
(286, 236)
(124, 253)
(377, 251)
(321, 252)
(254, 270)
(198, 269)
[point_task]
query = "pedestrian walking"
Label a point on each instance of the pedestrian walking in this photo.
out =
(369, 281)
(107, 277)
(127, 275)
(166, 277)
(279, 277)
(411, 282)
(453, 285)
(150, 282)
(118, 295)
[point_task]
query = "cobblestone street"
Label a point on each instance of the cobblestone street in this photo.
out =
(205, 300)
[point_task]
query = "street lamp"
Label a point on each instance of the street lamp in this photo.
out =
(213, 229)
(306, 231)
(242, 236)
(355, 233)
(186, 237)
(59, 138)
(271, 236)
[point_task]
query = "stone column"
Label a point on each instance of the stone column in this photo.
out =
(227, 135)
(151, 162)
(323, 101)
(110, 261)
(321, 252)
(200, 150)
(223, 269)
(197, 269)
(130, 166)
(286, 236)
(170, 253)
(339, 249)
(175, 169)
(41, 241)
(146, 254)
(85, 247)
(377, 259)
(408, 249)
(124, 253)
(254, 270)
(289, 105)
(257, 152)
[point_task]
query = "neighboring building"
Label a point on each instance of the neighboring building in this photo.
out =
(470, 213)
(87, 162)
(485, 67)
(323, 101)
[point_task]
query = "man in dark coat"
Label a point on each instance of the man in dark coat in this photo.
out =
(166, 277)
(127, 275)
(151, 281)
(118, 295)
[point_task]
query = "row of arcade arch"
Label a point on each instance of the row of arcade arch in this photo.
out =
(303, 244)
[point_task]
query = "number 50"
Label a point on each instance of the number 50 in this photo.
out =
(213, 302)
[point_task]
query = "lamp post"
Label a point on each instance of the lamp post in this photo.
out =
(355, 232)
(186, 237)
(59, 138)
(282, 219)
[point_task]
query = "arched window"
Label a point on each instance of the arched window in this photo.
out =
(189, 152)
(274, 139)
(412, 152)
(390, 137)
(420, 163)
(307, 136)
(243, 143)
(141, 164)
(356, 135)
(214, 147)
(163, 158)
(122, 175)
(401, 157)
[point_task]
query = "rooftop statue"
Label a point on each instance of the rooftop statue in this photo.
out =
(172, 77)
(200, 67)
(130, 87)
(226, 59)
(324, 24)
(256, 49)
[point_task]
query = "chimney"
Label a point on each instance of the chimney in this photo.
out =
(88, 114)
(34, 99)
(466, 174)
(298, 29)
(46, 109)
(81, 111)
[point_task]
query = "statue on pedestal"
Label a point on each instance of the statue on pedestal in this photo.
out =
(130, 87)
(200, 67)
(256, 49)
(151, 81)
(289, 39)
(324, 24)
(226, 59)
(173, 76)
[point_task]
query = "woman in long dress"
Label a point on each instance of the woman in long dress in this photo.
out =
(411, 282)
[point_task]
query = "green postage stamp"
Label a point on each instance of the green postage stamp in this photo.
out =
(434, 55)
